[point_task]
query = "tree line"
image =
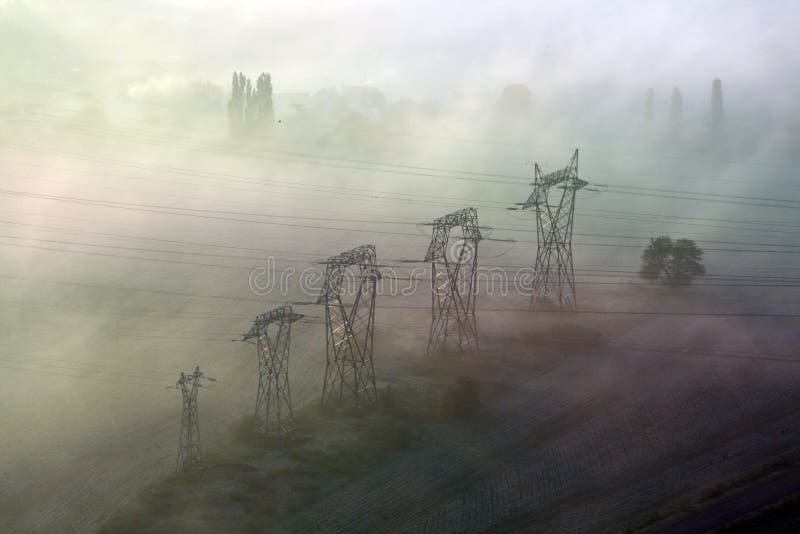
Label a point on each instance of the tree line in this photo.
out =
(250, 107)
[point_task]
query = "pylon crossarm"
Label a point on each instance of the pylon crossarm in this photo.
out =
(283, 314)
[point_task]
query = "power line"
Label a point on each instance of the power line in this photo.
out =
(358, 193)
(155, 239)
(124, 311)
(311, 159)
(165, 211)
(676, 351)
(407, 220)
(192, 230)
(413, 198)
(200, 213)
(49, 371)
(370, 221)
(48, 364)
(653, 218)
(262, 300)
(617, 312)
(146, 372)
(711, 200)
(139, 258)
(136, 331)
(259, 300)
(263, 182)
(674, 219)
(138, 249)
(122, 256)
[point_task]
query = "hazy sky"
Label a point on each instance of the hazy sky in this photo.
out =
(425, 49)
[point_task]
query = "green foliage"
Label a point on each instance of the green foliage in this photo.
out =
(655, 258)
(687, 261)
(676, 262)
(461, 399)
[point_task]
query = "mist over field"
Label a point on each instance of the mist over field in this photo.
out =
(145, 221)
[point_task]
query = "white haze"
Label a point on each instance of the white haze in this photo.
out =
(125, 101)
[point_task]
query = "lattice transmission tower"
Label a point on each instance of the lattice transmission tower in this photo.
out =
(272, 332)
(349, 298)
(453, 280)
(189, 451)
(553, 198)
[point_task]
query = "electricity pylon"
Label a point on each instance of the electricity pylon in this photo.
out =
(272, 331)
(554, 199)
(350, 325)
(453, 280)
(189, 452)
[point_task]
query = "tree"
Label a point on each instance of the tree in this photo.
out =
(263, 114)
(515, 101)
(649, 104)
(687, 261)
(676, 107)
(717, 111)
(677, 262)
(250, 108)
(236, 104)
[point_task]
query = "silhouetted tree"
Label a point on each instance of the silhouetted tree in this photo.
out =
(263, 115)
(655, 258)
(236, 105)
(677, 262)
(515, 101)
(250, 108)
(687, 261)
(649, 104)
(676, 106)
(717, 111)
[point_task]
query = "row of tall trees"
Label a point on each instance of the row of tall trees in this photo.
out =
(676, 106)
(250, 108)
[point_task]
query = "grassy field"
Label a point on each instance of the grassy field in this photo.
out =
(570, 435)
(249, 481)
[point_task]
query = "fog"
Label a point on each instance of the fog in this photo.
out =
(132, 216)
